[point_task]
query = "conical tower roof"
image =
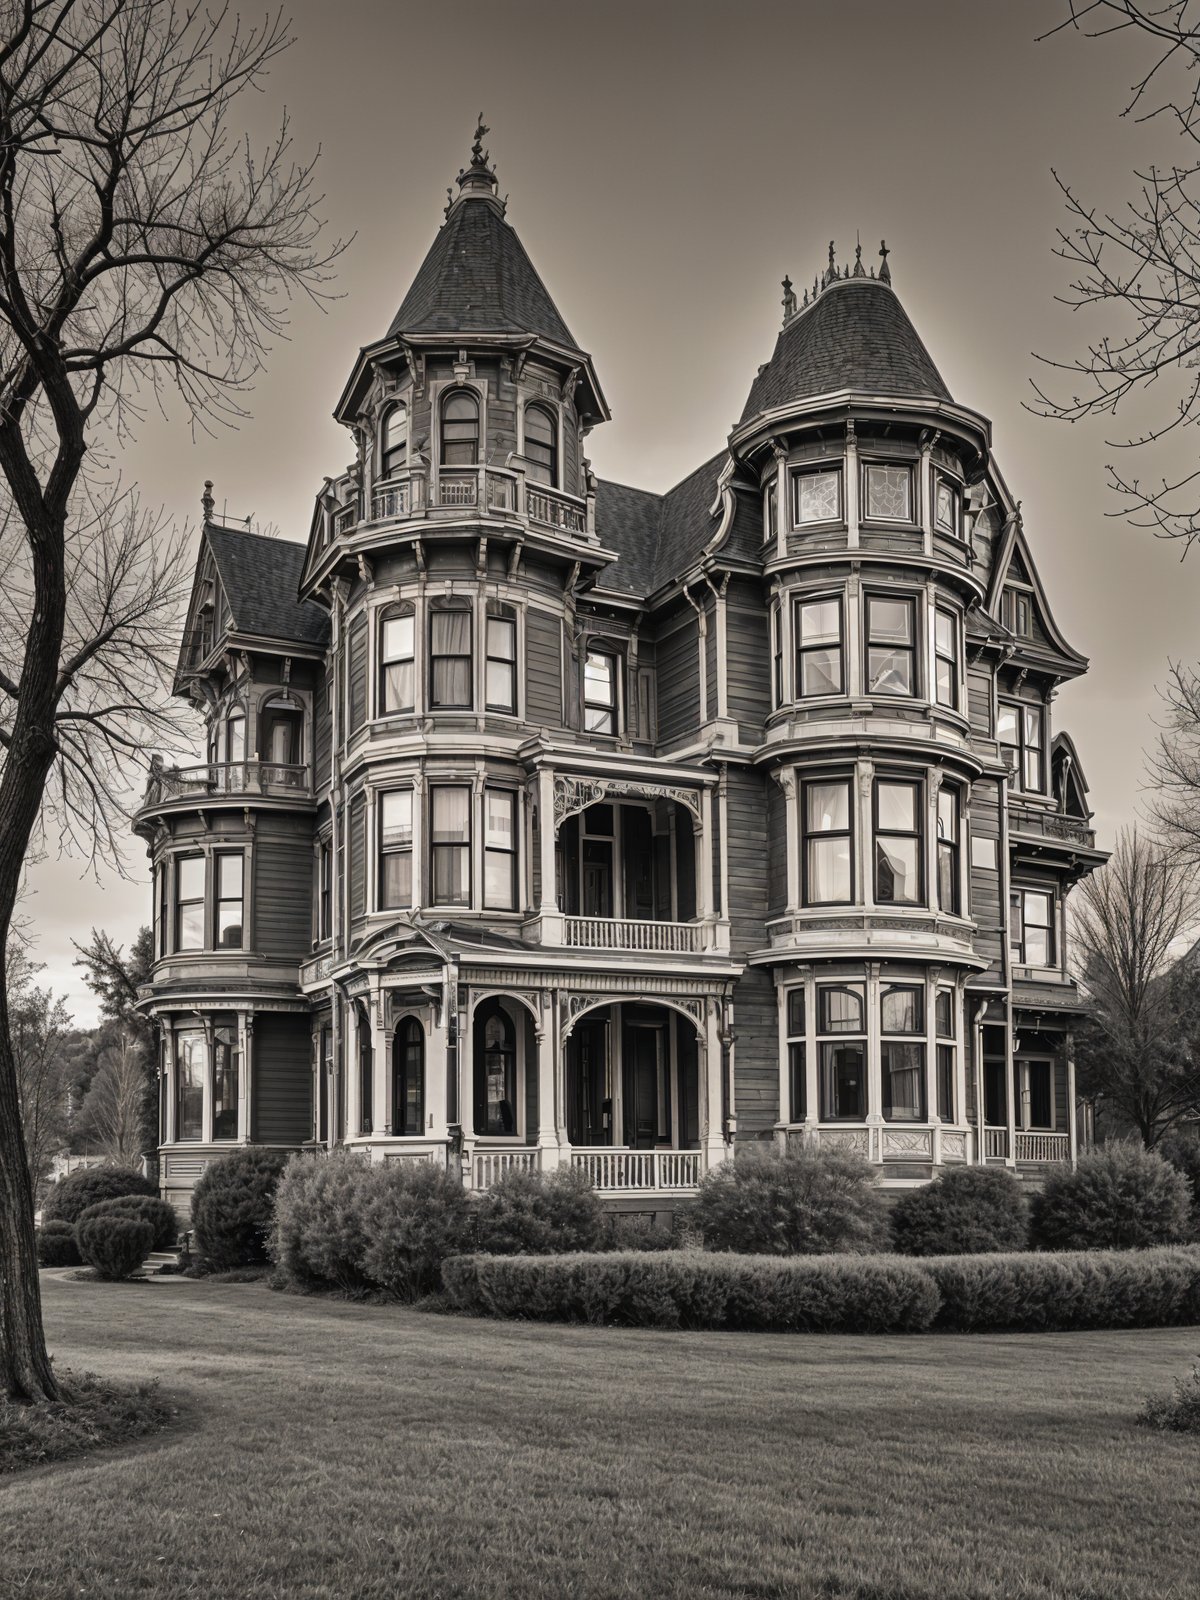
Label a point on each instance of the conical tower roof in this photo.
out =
(853, 335)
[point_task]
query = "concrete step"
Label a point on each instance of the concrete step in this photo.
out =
(162, 1261)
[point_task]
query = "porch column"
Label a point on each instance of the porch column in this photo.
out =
(206, 1105)
(1072, 1129)
(245, 1033)
(715, 1148)
(704, 865)
(350, 1055)
(875, 1123)
(1010, 1085)
(380, 1075)
(548, 1135)
(548, 904)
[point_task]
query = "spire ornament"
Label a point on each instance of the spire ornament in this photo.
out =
(789, 300)
(859, 270)
(885, 272)
(207, 504)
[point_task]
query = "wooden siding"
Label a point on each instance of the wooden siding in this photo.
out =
(283, 886)
(356, 680)
(979, 702)
(756, 1057)
(776, 851)
(678, 687)
(358, 856)
(282, 1079)
(985, 885)
(322, 732)
(747, 659)
(543, 668)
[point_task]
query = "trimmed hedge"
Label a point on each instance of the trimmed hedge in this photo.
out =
(698, 1289)
(115, 1246)
(56, 1245)
(802, 1201)
(1080, 1289)
(143, 1207)
(68, 1200)
(965, 1211)
(232, 1208)
(1120, 1198)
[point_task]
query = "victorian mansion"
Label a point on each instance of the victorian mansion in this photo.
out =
(548, 820)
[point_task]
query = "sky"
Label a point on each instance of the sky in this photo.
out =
(666, 164)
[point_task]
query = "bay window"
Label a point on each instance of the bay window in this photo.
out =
(600, 692)
(828, 842)
(946, 505)
(500, 663)
(797, 1084)
(229, 900)
(842, 1059)
(898, 843)
(450, 845)
(395, 848)
(888, 493)
(397, 664)
(819, 653)
(949, 877)
(1032, 927)
(817, 496)
(891, 645)
(947, 1053)
(450, 657)
(902, 1052)
(499, 849)
(190, 1052)
(189, 902)
(226, 1068)
(1019, 728)
(945, 658)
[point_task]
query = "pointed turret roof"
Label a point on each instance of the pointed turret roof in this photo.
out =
(853, 334)
(477, 277)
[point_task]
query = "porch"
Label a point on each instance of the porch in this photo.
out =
(610, 1170)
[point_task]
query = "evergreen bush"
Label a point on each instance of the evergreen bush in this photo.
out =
(232, 1208)
(534, 1213)
(318, 1236)
(114, 1245)
(1182, 1150)
(148, 1208)
(804, 1201)
(68, 1200)
(56, 1245)
(1119, 1198)
(966, 1211)
(1177, 1412)
(416, 1214)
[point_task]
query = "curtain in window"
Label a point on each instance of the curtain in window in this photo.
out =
(451, 652)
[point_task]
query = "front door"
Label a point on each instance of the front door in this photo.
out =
(643, 1059)
(589, 1107)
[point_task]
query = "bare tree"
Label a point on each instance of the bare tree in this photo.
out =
(1173, 767)
(115, 1107)
(1139, 267)
(1136, 1049)
(39, 1023)
(144, 253)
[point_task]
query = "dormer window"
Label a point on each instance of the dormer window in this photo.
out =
(1018, 613)
(888, 493)
(541, 446)
(817, 496)
(460, 429)
(946, 505)
(282, 735)
(394, 455)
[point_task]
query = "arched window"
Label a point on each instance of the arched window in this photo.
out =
(394, 441)
(281, 742)
(397, 644)
(495, 1071)
(460, 429)
(541, 445)
(408, 1079)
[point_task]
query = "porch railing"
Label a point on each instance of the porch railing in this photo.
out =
(488, 1165)
(225, 777)
(554, 510)
(639, 1169)
(995, 1143)
(1048, 1147)
(630, 933)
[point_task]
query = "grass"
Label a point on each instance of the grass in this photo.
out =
(371, 1451)
(93, 1414)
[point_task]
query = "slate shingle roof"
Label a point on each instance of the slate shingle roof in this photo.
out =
(477, 278)
(855, 336)
(656, 536)
(261, 579)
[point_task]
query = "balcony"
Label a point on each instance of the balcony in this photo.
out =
(1052, 826)
(221, 779)
(629, 933)
(494, 490)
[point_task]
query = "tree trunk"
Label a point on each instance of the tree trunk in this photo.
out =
(25, 1371)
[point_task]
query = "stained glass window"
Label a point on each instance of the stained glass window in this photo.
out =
(945, 506)
(889, 493)
(818, 496)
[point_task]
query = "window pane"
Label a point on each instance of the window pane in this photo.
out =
(598, 720)
(828, 807)
(900, 1011)
(820, 622)
(944, 633)
(396, 884)
(945, 1082)
(819, 496)
(1033, 725)
(1037, 947)
(500, 685)
(598, 678)
(395, 811)
(451, 683)
(451, 875)
(944, 684)
(795, 1011)
(796, 1079)
(235, 739)
(947, 814)
(451, 633)
(828, 869)
(229, 924)
(451, 816)
(843, 1086)
(889, 493)
(190, 879)
(948, 878)
(889, 671)
(903, 1082)
(538, 427)
(498, 881)
(897, 876)
(191, 926)
(821, 672)
(398, 637)
(1006, 724)
(229, 877)
(1033, 769)
(945, 506)
(943, 1010)
(896, 806)
(499, 809)
(398, 687)
(841, 1011)
(890, 621)
(502, 638)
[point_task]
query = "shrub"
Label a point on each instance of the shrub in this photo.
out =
(635, 1230)
(964, 1212)
(56, 1245)
(1121, 1197)
(697, 1289)
(317, 1229)
(534, 1213)
(68, 1200)
(1182, 1150)
(232, 1207)
(1177, 1412)
(115, 1246)
(803, 1202)
(1083, 1289)
(147, 1208)
(416, 1214)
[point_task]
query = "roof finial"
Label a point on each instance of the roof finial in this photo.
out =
(859, 270)
(477, 181)
(885, 272)
(482, 130)
(789, 299)
(207, 504)
(831, 271)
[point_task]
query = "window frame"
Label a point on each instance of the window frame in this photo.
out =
(386, 852)
(777, 686)
(403, 1041)
(189, 1037)
(192, 900)
(452, 607)
(505, 617)
(917, 785)
(405, 611)
(808, 835)
(220, 857)
(508, 1049)
(837, 469)
(771, 510)
(954, 660)
(911, 650)
(324, 890)
(510, 853)
(611, 707)
(946, 1045)
(950, 849)
(390, 468)
(464, 847)
(801, 650)
(1019, 774)
(453, 394)
(943, 480)
(828, 1039)
(913, 1039)
(533, 466)
(866, 467)
(1019, 925)
(795, 1015)
(226, 1070)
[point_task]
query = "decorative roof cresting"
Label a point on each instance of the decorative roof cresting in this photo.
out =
(831, 275)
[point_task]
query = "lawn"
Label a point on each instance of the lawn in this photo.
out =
(340, 1451)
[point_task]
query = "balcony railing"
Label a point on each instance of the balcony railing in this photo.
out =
(494, 489)
(1048, 1147)
(488, 1165)
(554, 510)
(225, 778)
(399, 499)
(653, 1170)
(630, 933)
(1050, 825)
